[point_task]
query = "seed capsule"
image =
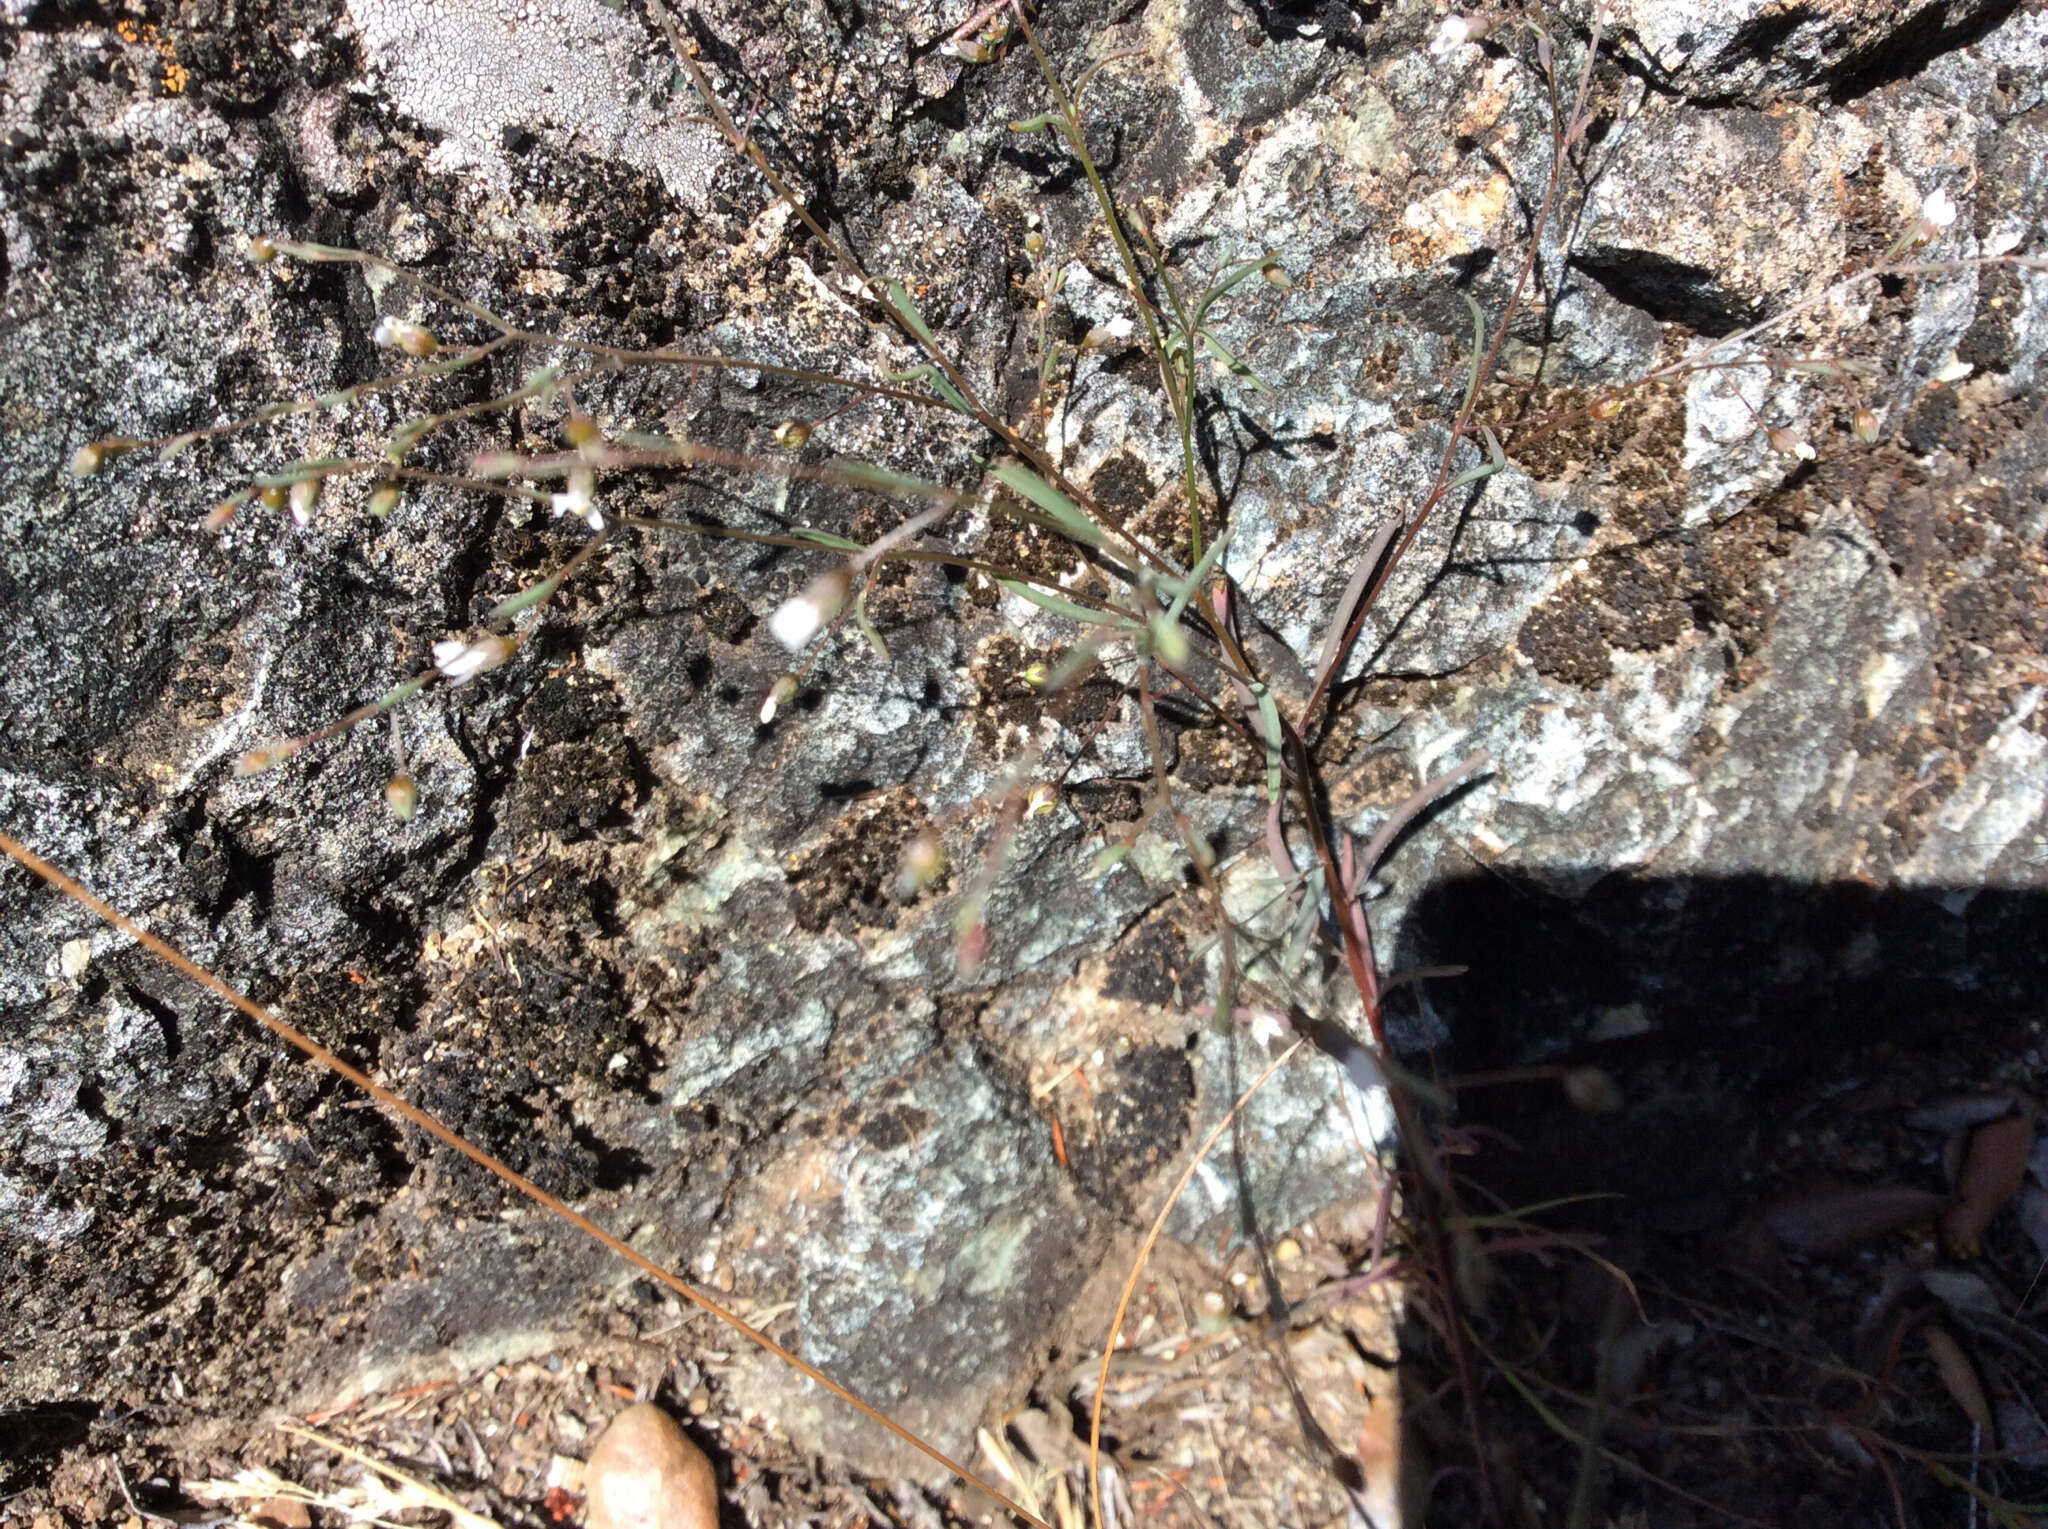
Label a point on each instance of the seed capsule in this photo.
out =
(791, 434)
(402, 796)
(88, 460)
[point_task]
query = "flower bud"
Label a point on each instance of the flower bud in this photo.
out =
(261, 249)
(791, 434)
(580, 430)
(383, 501)
(256, 761)
(780, 694)
(1865, 425)
(271, 496)
(1276, 275)
(88, 459)
(304, 496)
(402, 334)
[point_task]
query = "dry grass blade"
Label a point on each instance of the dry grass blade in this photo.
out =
(1116, 1322)
(412, 1114)
(428, 1497)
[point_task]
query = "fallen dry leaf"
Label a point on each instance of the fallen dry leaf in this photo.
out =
(1835, 1218)
(1992, 1174)
(1959, 1376)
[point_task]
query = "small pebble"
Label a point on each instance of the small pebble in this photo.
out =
(644, 1473)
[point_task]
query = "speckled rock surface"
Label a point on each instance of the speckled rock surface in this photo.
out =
(647, 949)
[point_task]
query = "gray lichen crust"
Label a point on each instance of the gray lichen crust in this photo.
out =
(576, 72)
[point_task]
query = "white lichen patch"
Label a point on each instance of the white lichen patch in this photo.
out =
(566, 70)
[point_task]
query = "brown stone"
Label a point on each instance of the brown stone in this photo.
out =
(644, 1473)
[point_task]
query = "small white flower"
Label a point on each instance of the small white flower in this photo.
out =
(1267, 1028)
(1042, 798)
(780, 691)
(461, 660)
(385, 335)
(1454, 33)
(796, 622)
(1953, 370)
(1790, 442)
(1938, 210)
(2002, 244)
(578, 502)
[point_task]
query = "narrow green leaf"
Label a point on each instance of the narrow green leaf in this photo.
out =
(1485, 469)
(1016, 476)
(1184, 589)
(867, 628)
(525, 600)
(906, 310)
(1216, 348)
(939, 383)
(1036, 124)
(404, 691)
(1228, 278)
(1067, 608)
(930, 375)
(1478, 348)
(867, 475)
(1269, 719)
(827, 539)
